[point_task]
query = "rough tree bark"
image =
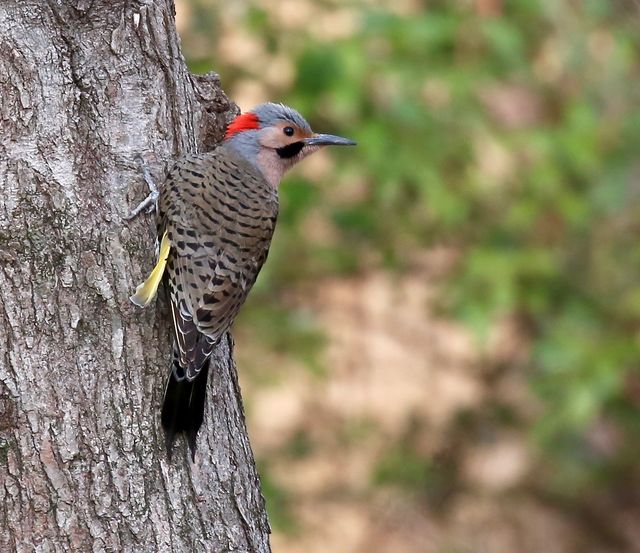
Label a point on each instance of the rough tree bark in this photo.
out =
(85, 86)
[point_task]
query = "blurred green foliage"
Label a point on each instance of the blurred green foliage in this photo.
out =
(513, 137)
(280, 512)
(404, 467)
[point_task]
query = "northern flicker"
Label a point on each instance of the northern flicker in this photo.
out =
(216, 213)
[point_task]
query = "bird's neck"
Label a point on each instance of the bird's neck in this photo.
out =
(265, 160)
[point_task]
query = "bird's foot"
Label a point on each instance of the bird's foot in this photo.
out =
(149, 203)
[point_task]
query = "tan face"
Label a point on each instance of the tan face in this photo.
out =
(273, 140)
(276, 137)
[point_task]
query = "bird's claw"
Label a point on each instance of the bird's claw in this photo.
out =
(150, 201)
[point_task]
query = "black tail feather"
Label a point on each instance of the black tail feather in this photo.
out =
(183, 406)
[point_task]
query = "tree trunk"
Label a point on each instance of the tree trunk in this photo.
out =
(85, 86)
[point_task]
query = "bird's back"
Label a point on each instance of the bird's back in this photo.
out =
(219, 214)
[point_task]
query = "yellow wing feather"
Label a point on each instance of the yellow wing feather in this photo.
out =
(146, 291)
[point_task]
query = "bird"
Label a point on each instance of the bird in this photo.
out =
(215, 217)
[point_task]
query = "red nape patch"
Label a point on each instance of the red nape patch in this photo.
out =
(243, 122)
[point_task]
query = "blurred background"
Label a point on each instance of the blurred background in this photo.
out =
(442, 353)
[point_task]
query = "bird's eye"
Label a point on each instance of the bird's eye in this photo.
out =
(288, 131)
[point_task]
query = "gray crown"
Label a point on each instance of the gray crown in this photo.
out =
(270, 113)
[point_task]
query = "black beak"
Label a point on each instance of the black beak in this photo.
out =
(328, 140)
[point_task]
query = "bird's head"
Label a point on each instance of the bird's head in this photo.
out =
(274, 137)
